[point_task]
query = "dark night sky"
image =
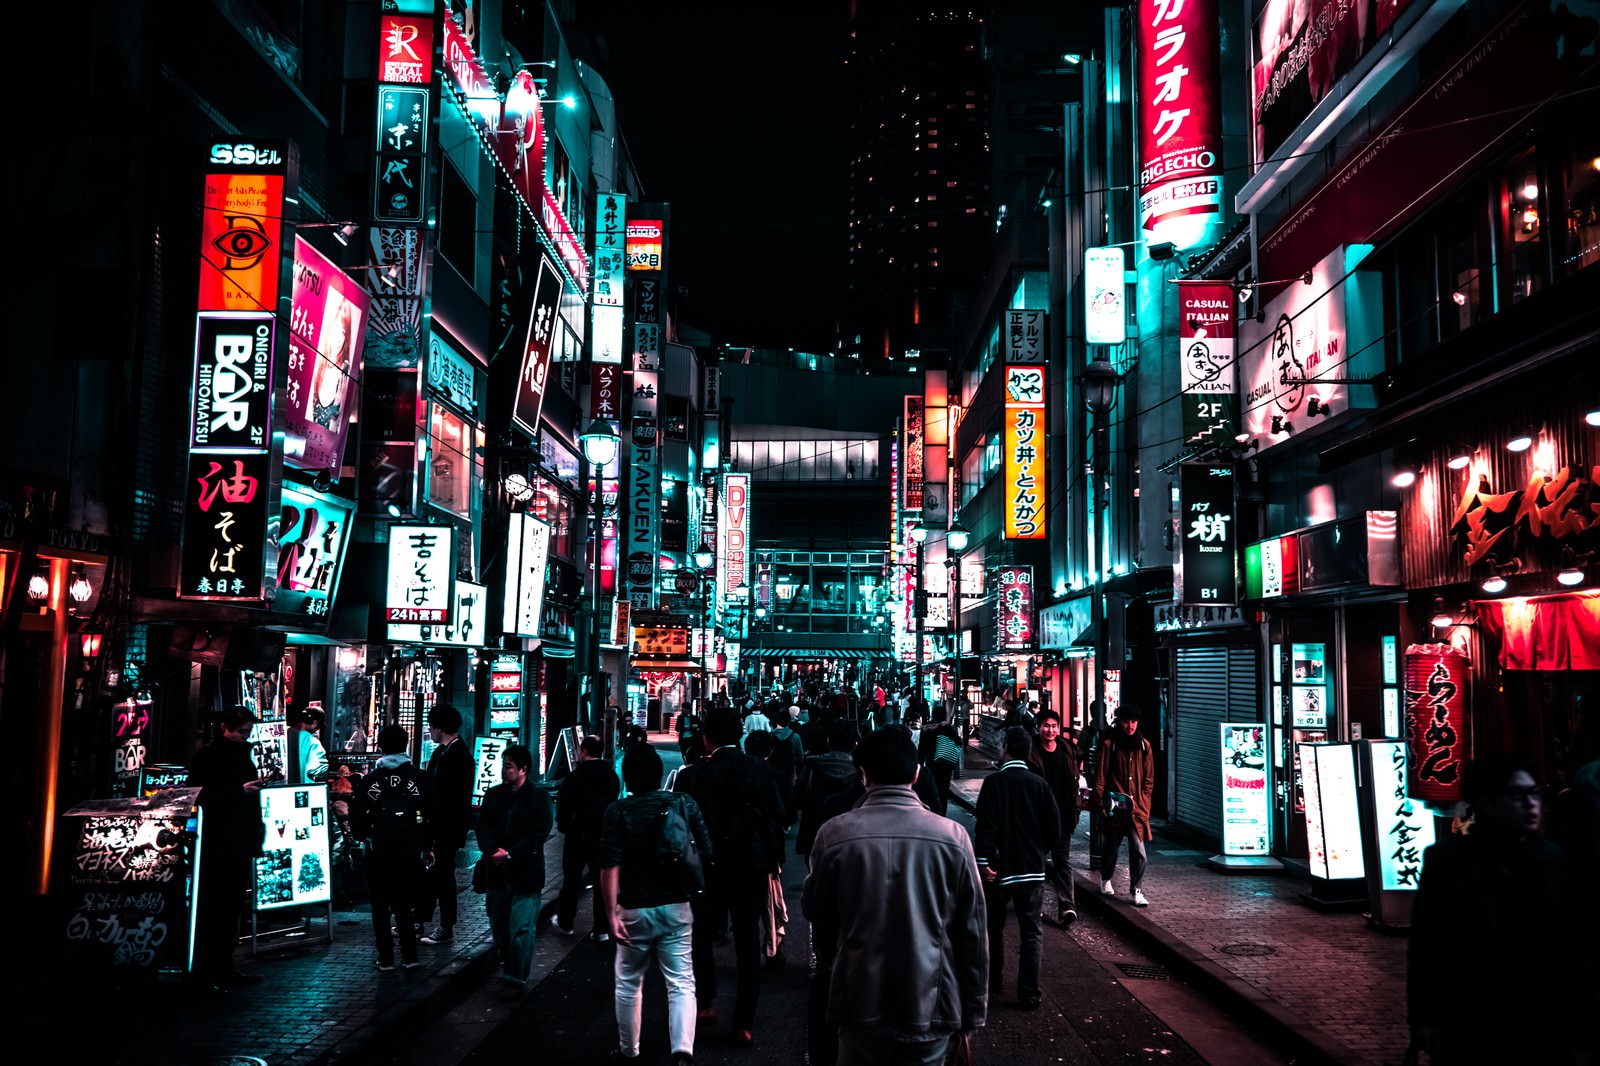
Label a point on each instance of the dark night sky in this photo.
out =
(733, 115)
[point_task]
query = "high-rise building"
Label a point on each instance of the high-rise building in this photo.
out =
(919, 208)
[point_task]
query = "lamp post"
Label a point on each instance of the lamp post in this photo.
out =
(919, 599)
(956, 539)
(1099, 382)
(600, 443)
(704, 556)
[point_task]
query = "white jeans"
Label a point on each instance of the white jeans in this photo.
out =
(666, 931)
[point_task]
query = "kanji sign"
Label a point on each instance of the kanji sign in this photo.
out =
(1025, 339)
(1206, 572)
(422, 569)
(226, 552)
(1206, 361)
(1025, 453)
(1180, 124)
(1404, 827)
(1436, 683)
(1014, 605)
(531, 382)
(312, 535)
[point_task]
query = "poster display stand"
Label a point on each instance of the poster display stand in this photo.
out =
(295, 869)
(1333, 827)
(1246, 829)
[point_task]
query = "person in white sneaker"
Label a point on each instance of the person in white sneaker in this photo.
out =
(1124, 782)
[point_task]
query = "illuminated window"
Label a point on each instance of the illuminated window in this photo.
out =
(449, 462)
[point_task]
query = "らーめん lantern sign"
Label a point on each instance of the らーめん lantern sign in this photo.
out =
(1436, 677)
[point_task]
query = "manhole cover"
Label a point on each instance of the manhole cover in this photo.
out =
(238, 1060)
(1245, 951)
(1143, 972)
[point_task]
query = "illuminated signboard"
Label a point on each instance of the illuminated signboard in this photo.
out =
(1105, 295)
(422, 567)
(467, 627)
(1405, 827)
(1437, 678)
(1205, 573)
(645, 238)
(488, 752)
(1180, 122)
(241, 225)
(400, 173)
(733, 533)
(1244, 789)
(158, 777)
(405, 49)
(644, 497)
(505, 694)
(227, 553)
(912, 448)
(1025, 453)
(1025, 339)
(1014, 605)
(232, 408)
(1272, 568)
(294, 865)
(1293, 365)
(327, 329)
(1333, 821)
(1308, 694)
(610, 264)
(535, 374)
(527, 553)
(312, 534)
(1206, 347)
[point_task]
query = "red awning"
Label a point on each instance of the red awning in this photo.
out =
(1545, 632)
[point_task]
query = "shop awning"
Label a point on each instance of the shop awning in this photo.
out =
(1560, 632)
(667, 666)
(815, 653)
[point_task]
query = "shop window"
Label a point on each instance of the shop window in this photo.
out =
(1464, 259)
(1580, 189)
(1522, 256)
(449, 462)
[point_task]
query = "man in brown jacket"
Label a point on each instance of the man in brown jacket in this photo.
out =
(1124, 781)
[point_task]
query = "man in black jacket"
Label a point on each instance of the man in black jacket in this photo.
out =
(514, 824)
(1053, 759)
(738, 795)
(450, 796)
(230, 800)
(1017, 825)
(581, 806)
(390, 812)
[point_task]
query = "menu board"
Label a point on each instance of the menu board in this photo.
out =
(293, 868)
(1244, 789)
(1309, 695)
(488, 751)
(126, 883)
(1333, 820)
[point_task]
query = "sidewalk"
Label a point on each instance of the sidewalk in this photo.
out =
(1324, 983)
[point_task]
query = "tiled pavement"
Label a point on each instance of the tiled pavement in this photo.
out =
(1326, 982)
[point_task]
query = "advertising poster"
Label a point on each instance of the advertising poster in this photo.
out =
(1105, 294)
(1244, 789)
(1308, 695)
(312, 535)
(422, 566)
(327, 330)
(294, 866)
(486, 757)
(126, 883)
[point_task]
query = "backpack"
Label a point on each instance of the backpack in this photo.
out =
(676, 855)
(394, 808)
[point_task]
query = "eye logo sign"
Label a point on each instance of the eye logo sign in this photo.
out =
(243, 243)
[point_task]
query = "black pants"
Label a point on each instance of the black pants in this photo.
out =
(739, 896)
(1024, 897)
(224, 879)
(438, 885)
(392, 881)
(580, 853)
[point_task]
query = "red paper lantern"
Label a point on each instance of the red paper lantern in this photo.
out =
(1437, 679)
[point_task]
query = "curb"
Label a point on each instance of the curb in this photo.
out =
(1308, 1042)
(424, 1001)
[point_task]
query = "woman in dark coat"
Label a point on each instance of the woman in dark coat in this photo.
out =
(513, 826)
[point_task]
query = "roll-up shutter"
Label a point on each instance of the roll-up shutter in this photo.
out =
(1214, 685)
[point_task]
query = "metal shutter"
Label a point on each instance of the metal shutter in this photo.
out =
(1214, 685)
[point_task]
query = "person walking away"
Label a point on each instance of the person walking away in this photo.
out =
(786, 759)
(1053, 759)
(449, 784)
(644, 910)
(513, 826)
(233, 832)
(739, 797)
(1491, 974)
(581, 804)
(310, 757)
(939, 750)
(904, 971)
(1017, 825)
(1125, 781)
(822, 778)
(757, 721)
(390, 812)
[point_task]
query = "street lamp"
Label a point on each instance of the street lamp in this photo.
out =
(703, 557)
(956, 539)
(600, 443)
(919, 597)
(1099, 383)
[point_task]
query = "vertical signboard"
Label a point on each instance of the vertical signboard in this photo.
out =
(227, 547)
(1105, 313)
(1205, 573)
(487, 752)
(1025, 336)
(1025, 453)
(644, 497)
(1404, 828)
(1436, 683)
(911, 467)
(535, 373)
(327, 328)
(405, 53)
(610, 262)
(232, 409)
(1206, 361)
(312, 535)
(733, 534)
(1180, 123)
(525, 575)
(1244, 789)
(422, 567)
(1015, 607)
(645, 239)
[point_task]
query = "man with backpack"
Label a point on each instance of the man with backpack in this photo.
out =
(644, 906)
(390, 811)
(787, 757)
(738, 795)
